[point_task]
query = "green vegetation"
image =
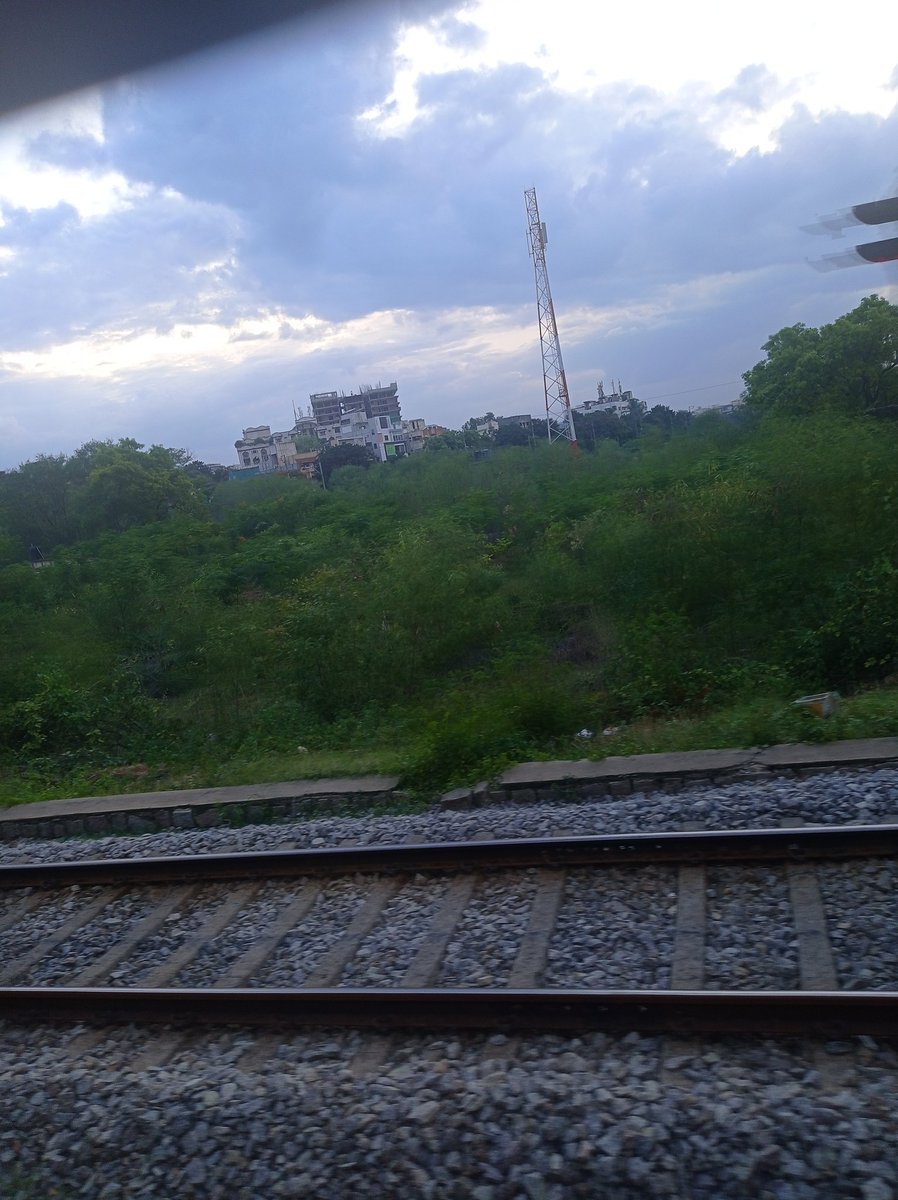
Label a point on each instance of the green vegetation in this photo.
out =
(850, 365)
(444, 615)
(16, 1186)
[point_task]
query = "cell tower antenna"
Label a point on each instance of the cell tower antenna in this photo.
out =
(559, 418)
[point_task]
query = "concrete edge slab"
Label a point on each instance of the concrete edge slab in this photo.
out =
(861, 750)
(687, 762)
(201, 808)
(194, 797)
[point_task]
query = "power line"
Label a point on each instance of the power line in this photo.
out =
(690, 391)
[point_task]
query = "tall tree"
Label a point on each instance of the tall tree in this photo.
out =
(850, 365)
(343, 456)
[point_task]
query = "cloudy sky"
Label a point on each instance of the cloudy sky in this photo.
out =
(193, 250)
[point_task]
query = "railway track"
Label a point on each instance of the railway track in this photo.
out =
(406, 936)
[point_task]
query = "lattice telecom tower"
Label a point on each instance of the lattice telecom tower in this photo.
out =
(559, 417)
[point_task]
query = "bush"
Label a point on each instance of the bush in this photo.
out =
(489, 723)
(80, 722)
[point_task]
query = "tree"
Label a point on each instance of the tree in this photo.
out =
(127, 485)
(509, 434)
(36, 504)
(849, 365)
(206, 472)
(450, 440)
(342, 456)
(864, 344)
(595, 426)
(667, 419)
(55, 500)
(473, 422)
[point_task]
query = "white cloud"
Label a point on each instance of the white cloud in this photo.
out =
(30, 184)
(236, 245)
(402, 338)
(685, 53)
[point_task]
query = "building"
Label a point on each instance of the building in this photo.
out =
(370, 418)
(490, 427)
(722, 410)
(305, 426)
(260, 450)
(524, 420)
(326, 408)
(329, 408)
(381, 401)
(618, 404)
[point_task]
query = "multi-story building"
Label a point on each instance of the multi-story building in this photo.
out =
(490, 427)
(380, 401)
(370, 417)
(329, 408)
(524, 420)
(618, 404)
(260, 450)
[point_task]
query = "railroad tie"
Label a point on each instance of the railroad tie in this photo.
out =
(687, 969)
(332, 962)
(424, 967)
(422, 970)
(99, 969)
(816, 968)
(529, 965)
(817, 971)
(158, 1050)
(533, 952)
(219, 920)
(19, 911)
(243, 968)
(18, 966)
(260, 1051)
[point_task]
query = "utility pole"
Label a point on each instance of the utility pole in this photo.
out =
(559, 418)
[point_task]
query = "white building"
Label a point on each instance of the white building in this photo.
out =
(618, 404)
(370, 418)
(386, 436)
(266, 451)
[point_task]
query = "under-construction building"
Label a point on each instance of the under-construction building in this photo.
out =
(369, 417)
(329, 408)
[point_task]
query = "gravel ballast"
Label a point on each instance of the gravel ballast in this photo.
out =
(586, 1117)
(234, 1115)
(852, 796)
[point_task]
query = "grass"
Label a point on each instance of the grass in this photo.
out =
(28, 787)
(16, 1186)
(761, 721)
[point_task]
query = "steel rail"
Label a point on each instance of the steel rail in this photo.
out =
(808, 843)
(688, 1013)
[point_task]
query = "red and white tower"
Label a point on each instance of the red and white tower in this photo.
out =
(559, 417)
